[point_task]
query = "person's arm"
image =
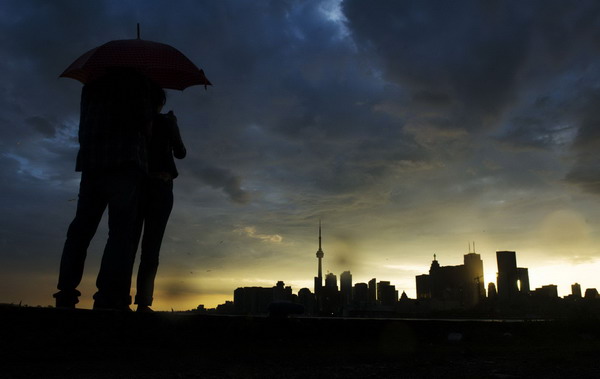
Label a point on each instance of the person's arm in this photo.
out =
(178, 147)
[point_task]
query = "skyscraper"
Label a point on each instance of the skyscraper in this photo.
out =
(360, 294)
(513, 281)
(346, 287)
(386, 293)
(507, 274)
(331, 280)
(474, 289)
(373, 291)
(492, 294)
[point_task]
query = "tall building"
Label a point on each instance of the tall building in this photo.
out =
(576, 290)
(474, 281)
(512, 281)
(331, 281)
(423, 288)
(330, 296)
(360, 294)
(507, 274)
(386, 293)
(373, 291)
(346, 287)
(307, 300)
(320, 254)
(492, 293)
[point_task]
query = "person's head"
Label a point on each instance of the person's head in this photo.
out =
(158, 97)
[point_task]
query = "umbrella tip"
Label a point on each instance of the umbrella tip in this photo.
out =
(138, 30)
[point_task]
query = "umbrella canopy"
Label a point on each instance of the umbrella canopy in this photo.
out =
(164, 64)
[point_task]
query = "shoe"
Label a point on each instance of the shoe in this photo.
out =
(144, 309)
(67, 299)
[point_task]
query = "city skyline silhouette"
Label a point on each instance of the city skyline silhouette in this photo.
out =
(460, 288)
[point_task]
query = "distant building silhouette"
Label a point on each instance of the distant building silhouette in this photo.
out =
(330, 297)
(576, 290)
(474, 280)
(386, 294)
(281, 292)
(591, 293)
(307, 300)
(252, 300)
(507, 274)
(549, 291)
(492, 293)
(373, 291)
(331, 281)
(453, 286)
(512, 281)
(256, 300)
(346, 287)
(423, 287)
(404, 296)
(226, 308)
(360, 295)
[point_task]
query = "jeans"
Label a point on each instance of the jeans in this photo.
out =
(119, 190)
(155, 210)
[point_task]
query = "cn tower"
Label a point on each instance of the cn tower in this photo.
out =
(320, 254)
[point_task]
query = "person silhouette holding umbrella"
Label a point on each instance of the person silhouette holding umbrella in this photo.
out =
(118, 105)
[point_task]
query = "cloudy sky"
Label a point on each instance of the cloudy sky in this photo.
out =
(409, 127)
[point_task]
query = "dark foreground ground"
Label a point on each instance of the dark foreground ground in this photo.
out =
(51, 343)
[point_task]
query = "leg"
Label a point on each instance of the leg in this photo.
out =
(157, 211)
(114, 278)
(90, 207)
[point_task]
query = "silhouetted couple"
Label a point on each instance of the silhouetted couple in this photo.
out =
(126, 163)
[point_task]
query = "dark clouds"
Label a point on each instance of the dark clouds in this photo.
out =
(586, 170)
(461, 57)
(223, 179)
(525, 70)
(42, 125)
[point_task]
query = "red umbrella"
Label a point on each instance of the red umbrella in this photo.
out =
(164, 64)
